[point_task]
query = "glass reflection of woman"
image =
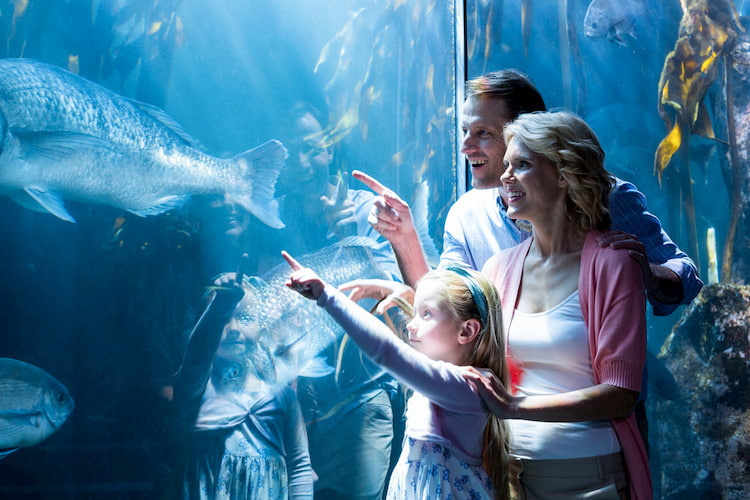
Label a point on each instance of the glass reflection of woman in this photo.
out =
(247, 438)
(574, 314)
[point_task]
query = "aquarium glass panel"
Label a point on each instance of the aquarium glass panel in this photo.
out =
(149, 145)
(664, 85)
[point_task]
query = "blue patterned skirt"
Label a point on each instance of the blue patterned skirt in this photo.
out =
(429, 471)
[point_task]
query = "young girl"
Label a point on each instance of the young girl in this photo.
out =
(453, 448)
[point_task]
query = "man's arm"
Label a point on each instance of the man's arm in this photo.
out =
(670, 276)
(391, 217)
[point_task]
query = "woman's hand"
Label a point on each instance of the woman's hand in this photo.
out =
(388, 293)
(303, 280)
(597, 402)
(492, 391)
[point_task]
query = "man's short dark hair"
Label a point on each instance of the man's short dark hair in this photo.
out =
(511, 85)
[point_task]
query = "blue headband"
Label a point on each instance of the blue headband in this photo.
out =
(480, 299)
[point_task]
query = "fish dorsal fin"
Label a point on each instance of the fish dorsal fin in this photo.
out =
(162, 117)
(380, 251)
(361, 241)
(41, 200)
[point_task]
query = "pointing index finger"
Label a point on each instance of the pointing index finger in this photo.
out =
(296, 266)
(369, 181)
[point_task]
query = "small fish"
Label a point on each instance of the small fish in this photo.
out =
(67, 138)
(613, 19)
(33, 405)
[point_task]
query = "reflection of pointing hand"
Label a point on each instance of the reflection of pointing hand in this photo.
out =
(242, 267)
(389, 214)
(339, 211)
(303, 280)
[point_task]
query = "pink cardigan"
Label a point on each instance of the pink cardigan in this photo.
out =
(613, 303)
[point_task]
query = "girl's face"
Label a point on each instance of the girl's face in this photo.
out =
(534, 187)
(434, 330)
(241, 331)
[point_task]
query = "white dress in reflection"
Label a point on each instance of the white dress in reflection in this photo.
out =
(263, 456)
(247, 439)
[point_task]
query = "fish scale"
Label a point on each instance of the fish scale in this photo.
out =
(296, 330)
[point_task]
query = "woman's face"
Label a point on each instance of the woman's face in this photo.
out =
(534, 186)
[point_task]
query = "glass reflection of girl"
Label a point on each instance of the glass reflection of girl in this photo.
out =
(248, 438)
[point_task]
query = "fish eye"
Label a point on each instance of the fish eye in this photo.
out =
(245, 318)
(61, 397)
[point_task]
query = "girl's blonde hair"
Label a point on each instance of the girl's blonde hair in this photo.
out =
(469, 295)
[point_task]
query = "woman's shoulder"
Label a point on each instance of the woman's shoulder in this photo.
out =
(506, 258)
(607, 260)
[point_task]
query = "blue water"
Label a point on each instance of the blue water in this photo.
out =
(83, 300)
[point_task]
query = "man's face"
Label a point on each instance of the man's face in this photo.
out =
(482, 122)
(306, 169)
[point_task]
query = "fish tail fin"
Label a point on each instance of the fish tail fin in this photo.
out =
(260, 169)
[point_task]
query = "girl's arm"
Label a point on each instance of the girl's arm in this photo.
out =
(195, 370)
(299, 470)
(439, 381)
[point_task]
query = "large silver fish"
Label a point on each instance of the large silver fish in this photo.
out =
(65, 137)
(295, 330)
(33, 405)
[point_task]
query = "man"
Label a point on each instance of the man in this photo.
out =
(477, 225)
(349, 414)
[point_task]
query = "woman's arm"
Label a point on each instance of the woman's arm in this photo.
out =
(602, 401)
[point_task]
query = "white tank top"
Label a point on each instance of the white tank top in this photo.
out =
(553, 349)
